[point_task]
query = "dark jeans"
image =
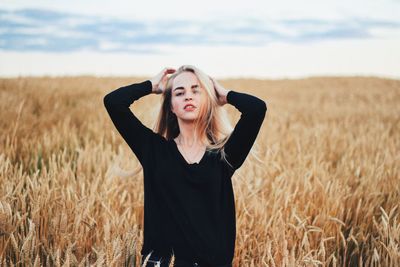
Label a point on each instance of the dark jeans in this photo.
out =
(164, 262)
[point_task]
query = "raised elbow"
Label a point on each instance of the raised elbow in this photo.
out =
(107, 100)
(263, 106)
(260, 108)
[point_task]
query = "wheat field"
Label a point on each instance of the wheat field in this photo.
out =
(326, 192)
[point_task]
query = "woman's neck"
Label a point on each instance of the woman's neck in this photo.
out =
(186, 135)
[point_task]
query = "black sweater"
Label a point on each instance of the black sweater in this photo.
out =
(189, 209)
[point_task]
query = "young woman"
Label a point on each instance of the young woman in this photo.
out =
(188, 162)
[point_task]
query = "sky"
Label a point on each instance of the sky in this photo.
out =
(241, 39)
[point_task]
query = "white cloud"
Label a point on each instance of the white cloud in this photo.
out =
(203, 10)
(280, 52)
(279, 60)
(36, 41)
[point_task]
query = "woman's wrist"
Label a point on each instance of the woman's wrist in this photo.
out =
(154, 89)
(224, 96)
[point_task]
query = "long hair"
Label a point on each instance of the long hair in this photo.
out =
(212, 126)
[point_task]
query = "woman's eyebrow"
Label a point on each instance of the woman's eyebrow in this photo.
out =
(181, 87)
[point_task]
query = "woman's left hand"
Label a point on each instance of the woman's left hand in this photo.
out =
(220, 91)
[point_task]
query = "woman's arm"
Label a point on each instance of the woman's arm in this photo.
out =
(253, 111)
(117, 104)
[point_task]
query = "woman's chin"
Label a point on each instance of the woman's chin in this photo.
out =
(189, 117)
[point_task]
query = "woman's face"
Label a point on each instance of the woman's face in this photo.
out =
(186, 90)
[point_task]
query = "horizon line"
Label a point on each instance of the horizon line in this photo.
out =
(289, 77)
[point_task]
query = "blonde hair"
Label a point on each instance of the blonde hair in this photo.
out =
(212, 126)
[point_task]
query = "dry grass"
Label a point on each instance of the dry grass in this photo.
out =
(327, 195)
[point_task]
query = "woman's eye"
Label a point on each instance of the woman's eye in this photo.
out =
(195, 91)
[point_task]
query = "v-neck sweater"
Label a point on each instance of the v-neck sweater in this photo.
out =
(189, 208)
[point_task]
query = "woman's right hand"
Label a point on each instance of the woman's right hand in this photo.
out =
(159, 81)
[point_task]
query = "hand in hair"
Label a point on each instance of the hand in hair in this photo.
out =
(159, 81)
(221, 92)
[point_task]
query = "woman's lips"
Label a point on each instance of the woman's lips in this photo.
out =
(189, 107)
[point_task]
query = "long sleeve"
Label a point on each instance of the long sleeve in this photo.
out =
(117, 104)
(253, 111)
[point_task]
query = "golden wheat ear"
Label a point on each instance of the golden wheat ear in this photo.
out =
(172, 262)
(146, 259)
